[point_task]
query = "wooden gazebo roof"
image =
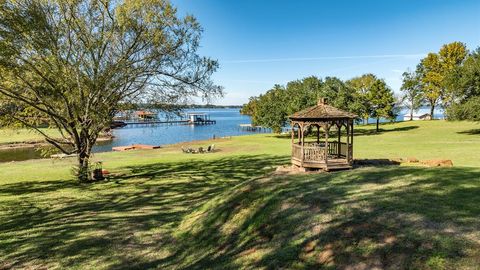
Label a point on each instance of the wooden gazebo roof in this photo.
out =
(322, 111)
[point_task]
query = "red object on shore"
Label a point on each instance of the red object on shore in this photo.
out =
(105, 172)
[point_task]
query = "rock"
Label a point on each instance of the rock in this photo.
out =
(438, 163)
(310, 246)
(412, 160)
(326, 256)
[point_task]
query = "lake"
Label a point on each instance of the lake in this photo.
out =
(228, 121)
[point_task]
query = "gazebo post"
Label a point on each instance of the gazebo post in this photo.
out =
(299, 134)
(327, 130)
(302, 143)
(351, 143)
(293, 132)
(348, 140)
(318, 134)
(339, 145)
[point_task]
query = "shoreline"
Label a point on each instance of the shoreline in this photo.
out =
(39, 143)
(35, 144)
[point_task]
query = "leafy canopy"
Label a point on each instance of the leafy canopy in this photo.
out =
(72, 64)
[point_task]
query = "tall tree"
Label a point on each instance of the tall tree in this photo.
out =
(451, 56)
(465, 84)
(250, 108)
(382, 101)
(72, 63)
(464, 80)
(338, 94)
(432, 80)
(361, 104)
(412, 91)
(435, 69)
(272, 109)
(302, 93)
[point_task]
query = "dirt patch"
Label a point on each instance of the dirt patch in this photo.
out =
(412, 160)
(409, 160)
(291, 169)
(438, 163)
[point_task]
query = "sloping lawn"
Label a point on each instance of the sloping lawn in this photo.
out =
(168, 210)
(24, 135)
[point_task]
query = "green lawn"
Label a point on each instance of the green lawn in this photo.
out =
(24, 135)
(169, 210)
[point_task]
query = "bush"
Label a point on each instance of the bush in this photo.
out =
(470, 110)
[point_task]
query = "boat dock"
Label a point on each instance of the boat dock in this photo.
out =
(250, 127)
(171, 122)
(145, 118)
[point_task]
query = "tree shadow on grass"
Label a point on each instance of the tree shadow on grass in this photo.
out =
(368, 132)
(338, 221)
(120, 222)
(470, 132)
(227, 213)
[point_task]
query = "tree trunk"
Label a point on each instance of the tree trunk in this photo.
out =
(411, 112)
(82, 173)
(378, 121)
(432, 109)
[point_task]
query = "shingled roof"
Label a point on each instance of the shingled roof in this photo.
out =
(322, 111)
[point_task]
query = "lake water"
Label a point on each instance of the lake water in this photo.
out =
(228, 124)
(228, 121)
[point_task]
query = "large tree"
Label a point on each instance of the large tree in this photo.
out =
(382, 101)
(271, 109)
(464, 80)
(464, 83)
(432, 80)
(73, 63)
(435, 69)
(302, 93)
(337, 93)
(452, 56)
(412, 91)
(361, 104)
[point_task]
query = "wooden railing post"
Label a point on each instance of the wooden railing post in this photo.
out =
(327, 130)
(339, 146)
(302, 143)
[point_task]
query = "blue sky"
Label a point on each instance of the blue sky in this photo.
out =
(264, 42)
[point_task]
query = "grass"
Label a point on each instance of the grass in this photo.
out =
(169, 210)
(24, 135)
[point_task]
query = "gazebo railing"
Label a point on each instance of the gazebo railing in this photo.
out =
(297, 152)
(333, 149)
(315, 152)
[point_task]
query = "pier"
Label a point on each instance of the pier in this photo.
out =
(170, 122)
(146, 118)
(250, 127)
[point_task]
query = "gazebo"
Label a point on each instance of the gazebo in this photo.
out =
(322, 151)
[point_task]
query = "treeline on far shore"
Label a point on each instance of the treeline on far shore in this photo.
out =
(449, 78)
